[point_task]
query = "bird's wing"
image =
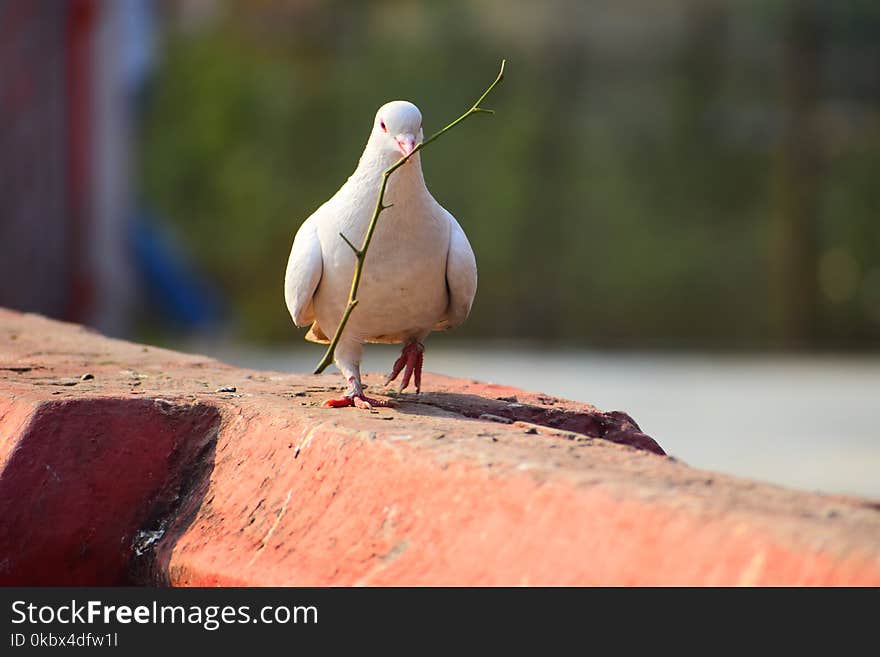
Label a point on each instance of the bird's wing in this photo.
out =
(304, 269)
(461, 276)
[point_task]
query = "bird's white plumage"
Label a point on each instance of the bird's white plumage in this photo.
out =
(420, 272)
(304, 269)
(461, 276)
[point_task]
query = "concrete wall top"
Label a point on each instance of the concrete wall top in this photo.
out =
(124, 463)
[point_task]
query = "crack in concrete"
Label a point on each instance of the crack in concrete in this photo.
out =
(272, 529)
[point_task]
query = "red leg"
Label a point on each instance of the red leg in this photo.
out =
(411, 357)
(418, 370)
(397, 368)
(357, 398)
(361, 401)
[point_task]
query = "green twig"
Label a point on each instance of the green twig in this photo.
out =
(353, 247)
(361, 253)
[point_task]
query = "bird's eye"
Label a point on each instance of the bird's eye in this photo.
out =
(382, 123)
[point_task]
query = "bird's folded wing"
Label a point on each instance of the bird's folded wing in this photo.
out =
(304, 269)
(461, 277)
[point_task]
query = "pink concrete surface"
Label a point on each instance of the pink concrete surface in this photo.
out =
(121, 463)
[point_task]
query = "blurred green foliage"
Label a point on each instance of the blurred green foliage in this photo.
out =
(647, 180)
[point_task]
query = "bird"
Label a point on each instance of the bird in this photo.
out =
(419, 274)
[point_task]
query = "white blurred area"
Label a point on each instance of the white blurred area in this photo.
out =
(804, 422)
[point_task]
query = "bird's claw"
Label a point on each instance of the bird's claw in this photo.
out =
(411, 358)
(360, 401)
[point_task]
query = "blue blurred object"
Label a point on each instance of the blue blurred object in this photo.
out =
(177, 292)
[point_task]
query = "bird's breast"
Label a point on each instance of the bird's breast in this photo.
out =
(403, 282)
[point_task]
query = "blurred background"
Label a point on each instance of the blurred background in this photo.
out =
(675, 210)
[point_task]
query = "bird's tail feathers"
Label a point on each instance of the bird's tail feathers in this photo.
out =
(316, 334)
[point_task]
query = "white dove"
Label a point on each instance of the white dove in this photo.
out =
(419, 274)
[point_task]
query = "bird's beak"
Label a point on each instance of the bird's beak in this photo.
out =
(406, 143)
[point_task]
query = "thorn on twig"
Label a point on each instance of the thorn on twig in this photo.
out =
(356, 250)
(483, 110)
(385, 207)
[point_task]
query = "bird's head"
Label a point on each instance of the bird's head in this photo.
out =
(398, 127)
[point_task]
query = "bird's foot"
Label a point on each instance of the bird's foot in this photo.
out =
(359, 400)
(411, 357)
(356, 397)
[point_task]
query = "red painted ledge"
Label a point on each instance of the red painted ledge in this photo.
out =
(122, 464)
